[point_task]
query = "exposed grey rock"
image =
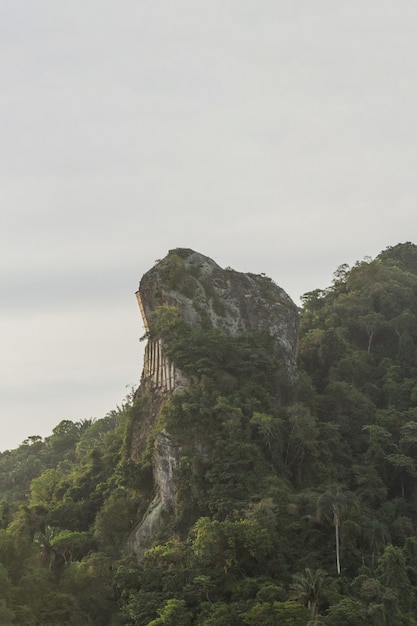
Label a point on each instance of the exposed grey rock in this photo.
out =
(166, 457)
(207, 295)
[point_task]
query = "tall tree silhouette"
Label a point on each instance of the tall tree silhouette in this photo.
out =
(332, 506)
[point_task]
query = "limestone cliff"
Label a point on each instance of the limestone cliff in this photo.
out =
(205, 296)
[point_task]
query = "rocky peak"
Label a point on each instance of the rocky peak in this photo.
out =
(205, 296)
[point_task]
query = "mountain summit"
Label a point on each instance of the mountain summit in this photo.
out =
(201, 321)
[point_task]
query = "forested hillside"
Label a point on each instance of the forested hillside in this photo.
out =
(300, 507)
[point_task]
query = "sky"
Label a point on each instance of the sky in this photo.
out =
(272, 136)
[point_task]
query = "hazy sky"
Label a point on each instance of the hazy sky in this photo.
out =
(274, 136)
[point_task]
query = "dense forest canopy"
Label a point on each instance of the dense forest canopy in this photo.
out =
(302, 510)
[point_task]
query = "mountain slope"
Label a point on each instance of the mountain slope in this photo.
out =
(234, 487)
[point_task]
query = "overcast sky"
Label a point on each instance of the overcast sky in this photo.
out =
(274, 136)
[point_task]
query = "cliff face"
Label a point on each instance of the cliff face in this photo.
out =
(205, 296)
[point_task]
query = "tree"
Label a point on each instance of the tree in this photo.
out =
(173, 613)
(309, 588)
(6, 614)
(371, 323)
(332, 506)
(392, 572)
(223, 547)
(376, 535)
(42, 488)
(271, 614)
(403, 459)
(302, 437)
(89, 581)
(48, 553)
(348, 612)
(220, 614)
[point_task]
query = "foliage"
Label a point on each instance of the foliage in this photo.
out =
(296, 498)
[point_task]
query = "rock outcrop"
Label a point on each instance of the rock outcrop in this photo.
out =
(205, 296)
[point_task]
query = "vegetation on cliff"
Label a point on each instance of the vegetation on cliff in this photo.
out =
(296, 500)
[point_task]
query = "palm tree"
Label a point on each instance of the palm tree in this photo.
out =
(44, 540)
(332, 506)
(308, 588)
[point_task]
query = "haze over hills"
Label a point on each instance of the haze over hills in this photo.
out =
(264, 471)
